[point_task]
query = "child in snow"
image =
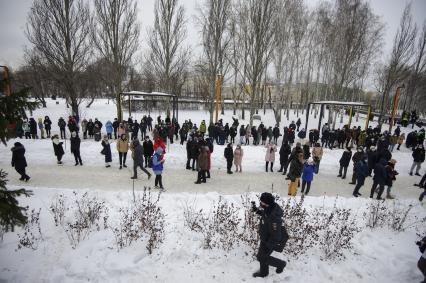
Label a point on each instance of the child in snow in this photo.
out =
(308, 175)
(109, 129)
(19, 161)
(238, 157)
(157, 167)
(57, 147)
(106, 151)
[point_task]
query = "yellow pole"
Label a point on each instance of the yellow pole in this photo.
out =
(217, 97)
(350, 117)
(395, 105)
(367, 121)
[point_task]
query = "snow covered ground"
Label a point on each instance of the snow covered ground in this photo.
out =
(378, 255)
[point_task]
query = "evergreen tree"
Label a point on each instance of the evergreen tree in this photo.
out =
(11, 214)
(12, 109)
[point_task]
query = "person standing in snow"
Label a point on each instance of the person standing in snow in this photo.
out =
(26, 129)
(270, 233)
(418, 159)
(422, 185)
(401, 139)
(296, 167)
(137, 155)
(33, 128)
(106, 150)
(359, 155)
(285, 151)
(115, 127)
(317, 153)
(47, 125)
(202, 165)
(308, 175)
(421, 264)
(75, 148)
(270, 155)
(361, 169)
(57, 147)
(238, 157)
(122, 148)
(298, 123)
(41, 128)
(19, 161)
(157, 167)
(148, 150)
(90, 128)
(229, 156)
(344, 162)
(391, 177)
(62, 124)
(109, 129)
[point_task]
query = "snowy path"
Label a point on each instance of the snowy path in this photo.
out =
(181, 180)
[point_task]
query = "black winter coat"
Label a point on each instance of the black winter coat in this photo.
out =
(419, 155)
(228, 153)
(285, 151)
(138, 154)
(47, 124)
(358, 156)
(346, 158)
(148, 148)
(270, 225)
(372, 158)
(33, 126)
(18, 157)
(380, 174)
(296, 169)
(107, 151)
(75, 145)
(59, 151)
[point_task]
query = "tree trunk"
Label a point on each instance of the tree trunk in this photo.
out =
(91, 101)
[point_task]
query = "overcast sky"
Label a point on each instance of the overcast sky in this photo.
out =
(13, 16)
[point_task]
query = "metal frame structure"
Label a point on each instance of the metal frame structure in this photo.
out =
(175, 101)
(351, 104)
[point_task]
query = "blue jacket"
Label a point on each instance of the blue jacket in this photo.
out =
(157, 166)
(308, 172)
(108, 127)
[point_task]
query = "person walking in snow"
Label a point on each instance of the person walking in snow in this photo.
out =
(380, 178)
(270, 155)
(229, 156)
(157, 167)
(296, 168)
(361, 169)
(58, 149)
(270, 233)
(75, 148)
(285, 151)
(298, 123)
(344, 162)
(308, 175)
(18, 161)
(238, 157)
(138, 160)
(202, 165)
(122, 148)
(391, 177)
(418, 159)
(106, 150)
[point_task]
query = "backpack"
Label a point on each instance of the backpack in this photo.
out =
(280, 246)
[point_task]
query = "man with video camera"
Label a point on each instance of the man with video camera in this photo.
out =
(273, 234)
(421, 264)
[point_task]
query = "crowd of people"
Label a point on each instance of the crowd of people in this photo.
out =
(373, 147)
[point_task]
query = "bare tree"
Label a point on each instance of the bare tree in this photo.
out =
(418, 72)
(116, 37)
(396, 69)
(59, 31)
(168, 58)
(256, 18)
(214, 18)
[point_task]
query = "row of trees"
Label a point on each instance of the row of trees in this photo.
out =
(332, 52)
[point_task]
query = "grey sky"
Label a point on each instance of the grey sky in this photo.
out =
(13, 15)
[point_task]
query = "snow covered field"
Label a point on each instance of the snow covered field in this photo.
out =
(379, 255)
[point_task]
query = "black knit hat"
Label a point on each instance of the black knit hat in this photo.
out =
(267, 198)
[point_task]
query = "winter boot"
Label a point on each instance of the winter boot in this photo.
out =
(281, 268)
(258, 274)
